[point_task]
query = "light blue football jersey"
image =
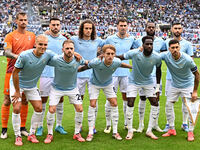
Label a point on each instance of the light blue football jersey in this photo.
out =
(102, 74)
(65, 73)
(122, 46)
(182, 76)
(88, 50)
(31, 67)
(55, 45)
(158, 46)
(186, 47)
(142, 66)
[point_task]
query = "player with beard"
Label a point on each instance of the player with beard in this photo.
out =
(64, 84)
(158, 46)
(15, 43)
(141, 78)
(186, 47)
(55, 41)
(183, 70)
(123, 42)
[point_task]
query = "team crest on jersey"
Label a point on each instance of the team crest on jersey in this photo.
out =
(74, 65)
(29, 38)
(181, 65)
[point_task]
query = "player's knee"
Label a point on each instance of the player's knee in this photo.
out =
(52, 109)
(93, 103)
(79, 109)
(154, 102)
(114, 104)
(124, 96)
(143, 98)
(24, 102)
(44, 99)
(38, 108)
(130, 102)
(61, 100)
(6, 100)
(16, 109)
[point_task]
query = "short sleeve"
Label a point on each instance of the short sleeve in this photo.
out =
(92, 63)
(159, 62)
(190, 51)
(20, 62)
(8, 41)
(129, 54)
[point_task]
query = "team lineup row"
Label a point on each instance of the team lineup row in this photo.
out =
(30, 65)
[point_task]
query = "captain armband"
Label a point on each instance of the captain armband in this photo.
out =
(194, 69)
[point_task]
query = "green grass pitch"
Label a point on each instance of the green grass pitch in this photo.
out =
(102, 140)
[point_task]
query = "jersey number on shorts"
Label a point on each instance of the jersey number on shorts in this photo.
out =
(78, 97)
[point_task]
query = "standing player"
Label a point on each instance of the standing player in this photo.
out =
(140, 77)
(183, 84)
(55, 41)
(27, 71)
(64, 84)
(123, 42)
(187, 48)
(102, 79)
(13, 46)
(86, 44)
(158, 46)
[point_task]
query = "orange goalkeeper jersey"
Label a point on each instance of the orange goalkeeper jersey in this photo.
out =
(18, 42)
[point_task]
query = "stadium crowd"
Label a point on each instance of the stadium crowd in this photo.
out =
(105, 14)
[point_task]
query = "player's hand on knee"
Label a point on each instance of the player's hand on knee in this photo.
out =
(15, 97)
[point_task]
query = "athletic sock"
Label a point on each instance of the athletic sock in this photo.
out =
(59, 114)
(115, 118)
(40, 124)
(108, 113)
(24, 114)
(124, 110)
(129, 117)
(141, 110)
(185, 112)
(152, 118)
(5, 110)
(156, 123)
(50, 122)
(36, 118)
(96, 110)
(170, 114)
(78, 121)
(91, 119)
(16, 121)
